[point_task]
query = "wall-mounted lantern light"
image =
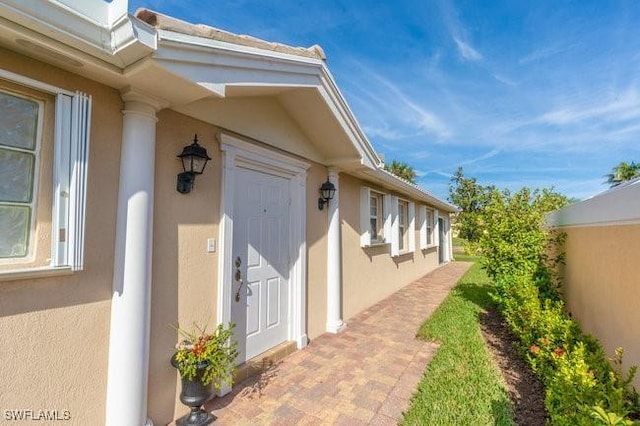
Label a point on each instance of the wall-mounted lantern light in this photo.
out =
(194, 159)
(327, 190)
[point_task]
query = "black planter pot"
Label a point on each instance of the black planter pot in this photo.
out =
(194, 394)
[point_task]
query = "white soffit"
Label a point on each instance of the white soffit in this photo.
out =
(102, 30)
(617, 206)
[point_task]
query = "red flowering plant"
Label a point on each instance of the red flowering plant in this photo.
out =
(208, 356)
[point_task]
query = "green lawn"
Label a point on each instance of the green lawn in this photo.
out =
(461, 386)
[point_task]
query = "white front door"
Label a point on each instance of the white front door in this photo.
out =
(261, 262)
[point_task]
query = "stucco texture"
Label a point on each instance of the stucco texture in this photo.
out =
(54, 332)
(602, 285)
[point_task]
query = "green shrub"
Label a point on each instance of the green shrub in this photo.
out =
(582, 387)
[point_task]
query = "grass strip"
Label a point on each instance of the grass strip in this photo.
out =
(462, 385)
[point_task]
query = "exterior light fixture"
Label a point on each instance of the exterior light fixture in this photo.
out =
(194, 159)
(327, 190)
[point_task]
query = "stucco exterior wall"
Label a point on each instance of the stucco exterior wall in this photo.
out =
(316, 254)
(371, 274)
(602, 285)
(184, 277)
(54, 332)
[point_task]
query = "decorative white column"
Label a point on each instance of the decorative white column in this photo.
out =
(128, 367)
(334, 263)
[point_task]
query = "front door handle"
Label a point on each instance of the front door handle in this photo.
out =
(238, 277)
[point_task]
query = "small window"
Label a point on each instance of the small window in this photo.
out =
(44, 146)
(403, 220)
(403, 226)
(375, 217)
(429, 225)
(19, 143)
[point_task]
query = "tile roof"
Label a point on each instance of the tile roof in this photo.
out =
(168, 23)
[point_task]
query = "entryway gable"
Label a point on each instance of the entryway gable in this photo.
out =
(238, 157)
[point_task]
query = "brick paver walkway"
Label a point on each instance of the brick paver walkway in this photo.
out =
(364, 375)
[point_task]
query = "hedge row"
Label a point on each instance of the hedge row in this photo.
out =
(582, 386)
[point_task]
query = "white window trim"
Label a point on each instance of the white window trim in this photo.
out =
(71, 154)
(411, 226)
(422, 226)
(395, 241)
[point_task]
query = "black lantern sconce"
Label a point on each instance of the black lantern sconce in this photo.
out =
(194, 159)
(327, 190)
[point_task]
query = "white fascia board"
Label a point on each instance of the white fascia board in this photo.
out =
(362, 144)
(617, 206)
(191, 43)
(214, 64)
(121, 44)
(390, 181)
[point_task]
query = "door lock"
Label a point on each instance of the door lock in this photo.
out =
(238, 277)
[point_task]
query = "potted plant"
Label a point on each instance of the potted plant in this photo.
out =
(204, 361)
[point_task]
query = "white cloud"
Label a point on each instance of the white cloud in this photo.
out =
(623, 108)
(466, 51)
(544, 53)
(397, 111)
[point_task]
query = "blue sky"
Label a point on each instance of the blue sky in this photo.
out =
(516, 92)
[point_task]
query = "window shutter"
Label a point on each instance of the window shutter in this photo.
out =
(395, 237)
(73, 122)
(422, 221)
(386, 208)
(80, 127)
(436, 228)
(365, 214)
(411, 229)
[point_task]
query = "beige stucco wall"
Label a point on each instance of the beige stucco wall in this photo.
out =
(184, 276)
(54, 332)
(371, 274)
(316, 254)
(602, 285)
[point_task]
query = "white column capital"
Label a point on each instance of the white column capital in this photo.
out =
(333, 173)
(137, 100)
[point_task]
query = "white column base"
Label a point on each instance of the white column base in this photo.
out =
(336, 327)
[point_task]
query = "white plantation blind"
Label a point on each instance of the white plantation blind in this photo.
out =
(73, 122)
(365, 223)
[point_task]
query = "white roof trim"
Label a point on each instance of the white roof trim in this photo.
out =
(617, 206)
(108, 34)
(177, 51)
(393, 182)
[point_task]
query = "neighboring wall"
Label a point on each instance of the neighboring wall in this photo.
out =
(602, 285)
(371, 274)
(602, 274)
(54, 332)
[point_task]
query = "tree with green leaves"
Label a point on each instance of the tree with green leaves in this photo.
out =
(402, 170)
(622, 173)
(472, 198)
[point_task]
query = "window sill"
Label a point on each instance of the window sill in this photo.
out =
(30, 273)
(374, 245)
(430, 246)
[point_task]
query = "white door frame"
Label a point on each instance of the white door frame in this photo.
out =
(237, 153)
